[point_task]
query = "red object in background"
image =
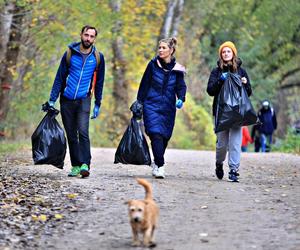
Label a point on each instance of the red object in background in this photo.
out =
(246, 136)
(6, 86)
(2, 134)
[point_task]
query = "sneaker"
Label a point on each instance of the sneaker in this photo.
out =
(219, 171)
(154, 169)
(84, 170)
(75, 171)
(233, 176)
(160, 173)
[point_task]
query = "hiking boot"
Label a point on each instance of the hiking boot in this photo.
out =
(154, 169)
(219, 171)
(75, 171)
(160, 173)
(233, 176)
(84, 170)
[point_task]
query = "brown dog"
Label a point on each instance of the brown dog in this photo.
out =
(143, 215)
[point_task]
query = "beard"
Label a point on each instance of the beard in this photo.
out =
(86, 44)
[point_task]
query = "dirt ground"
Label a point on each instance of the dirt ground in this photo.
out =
(197, 211)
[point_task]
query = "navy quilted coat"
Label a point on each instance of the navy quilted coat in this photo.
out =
(158, 91)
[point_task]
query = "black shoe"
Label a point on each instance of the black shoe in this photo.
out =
(233, 176)
(219, 171)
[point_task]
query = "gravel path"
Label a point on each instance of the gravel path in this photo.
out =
(197, 211)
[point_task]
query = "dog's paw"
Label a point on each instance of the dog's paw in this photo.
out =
(152, 244)
(136, 243)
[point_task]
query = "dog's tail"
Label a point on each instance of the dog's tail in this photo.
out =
(147, 187)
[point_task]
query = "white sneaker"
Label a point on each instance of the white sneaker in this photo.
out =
(154, 169)
(160, 173)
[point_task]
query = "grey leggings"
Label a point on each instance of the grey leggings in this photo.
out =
(230, 140)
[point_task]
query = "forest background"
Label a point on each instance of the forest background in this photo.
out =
(35, 34)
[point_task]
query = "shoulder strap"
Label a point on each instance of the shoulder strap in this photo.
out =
(97, 58)
(97, 55)
(68, 58)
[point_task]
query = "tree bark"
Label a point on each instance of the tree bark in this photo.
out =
(13, 20)
(172, 19)
(120, 83)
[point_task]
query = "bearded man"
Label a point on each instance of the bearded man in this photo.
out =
(80, 66)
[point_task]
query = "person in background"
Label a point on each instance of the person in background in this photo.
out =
(255, 136)
(268, 125)
(246, 139)
(74, 83)
(229, 140)
(161, 91)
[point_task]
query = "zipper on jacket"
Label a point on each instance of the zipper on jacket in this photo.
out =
(81, 76)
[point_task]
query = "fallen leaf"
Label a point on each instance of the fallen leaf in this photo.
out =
(72, 196)
(58, 216)
(43, 217)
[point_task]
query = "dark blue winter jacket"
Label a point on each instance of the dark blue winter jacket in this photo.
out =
(75, 82)
(268, 120)
(158, 91)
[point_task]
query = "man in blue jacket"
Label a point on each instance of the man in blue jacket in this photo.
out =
(74, 84)
(268, 119)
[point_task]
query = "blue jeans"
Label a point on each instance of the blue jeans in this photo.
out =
(76, 116)
(265, 141)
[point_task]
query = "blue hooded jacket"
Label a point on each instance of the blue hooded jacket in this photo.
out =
(75, 82)
(269, 122)
(158, 90)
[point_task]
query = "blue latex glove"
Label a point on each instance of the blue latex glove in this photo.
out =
(51, 103)
(179, 104)
(48, 106)
(223, 77)
(96, 112)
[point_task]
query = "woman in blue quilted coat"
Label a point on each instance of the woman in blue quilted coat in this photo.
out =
(161, 91)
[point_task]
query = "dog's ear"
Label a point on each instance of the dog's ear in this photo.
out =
(146, 202)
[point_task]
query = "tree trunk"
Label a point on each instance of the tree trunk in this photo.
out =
(11, 23)
(120, 84)
(172, 19)
(288, 104)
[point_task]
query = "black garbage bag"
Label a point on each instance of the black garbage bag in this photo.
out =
(133, 147)
(234, 107)
(137, 109)
(49, 142)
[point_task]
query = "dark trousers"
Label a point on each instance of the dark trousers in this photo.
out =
(159, 145)
(75, 116)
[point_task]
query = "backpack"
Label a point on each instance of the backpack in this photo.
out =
(68, 60)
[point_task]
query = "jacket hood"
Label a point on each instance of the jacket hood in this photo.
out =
(177, 66)
(76, 47)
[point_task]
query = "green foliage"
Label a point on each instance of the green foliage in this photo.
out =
(266, 34)
(12, 146)
(290, 144)
(266, 40)
(193, 127)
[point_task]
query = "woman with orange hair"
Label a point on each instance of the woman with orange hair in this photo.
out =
(228, 140)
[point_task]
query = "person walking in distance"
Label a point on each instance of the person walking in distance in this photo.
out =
(230, 139)
(268, 125)
(161, 91)
(74, 83)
